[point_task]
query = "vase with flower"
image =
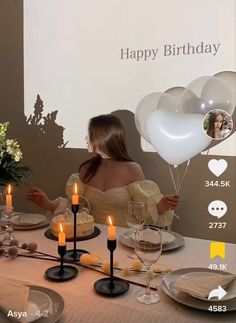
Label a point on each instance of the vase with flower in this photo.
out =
(11, 170)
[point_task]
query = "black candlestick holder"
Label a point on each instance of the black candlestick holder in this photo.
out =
(111, 286)
(74, 254)
(62, 272)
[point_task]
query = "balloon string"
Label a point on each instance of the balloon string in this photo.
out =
(177, 177)
(181, 182)
(173, 179)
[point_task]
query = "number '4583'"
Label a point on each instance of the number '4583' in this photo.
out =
(217, 308)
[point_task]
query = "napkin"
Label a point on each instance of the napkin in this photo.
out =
(13, 297)
(200, 284)
(29, 219)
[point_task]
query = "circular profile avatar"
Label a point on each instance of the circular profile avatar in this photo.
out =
(217, 124)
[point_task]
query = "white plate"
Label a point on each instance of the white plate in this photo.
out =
(167, 286)
(39, 304)
(167, 237)
(55, 311)
(231, 289)
(32, 227)
(40, 222)
(172, 240)
(27, 219)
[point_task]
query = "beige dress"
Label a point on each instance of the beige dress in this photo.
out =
(114, 201)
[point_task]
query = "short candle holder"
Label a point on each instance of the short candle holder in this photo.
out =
(111, 286)
(75, 254)
(7, 224)
(63, 272)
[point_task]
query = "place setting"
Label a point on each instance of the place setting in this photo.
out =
(29, 221)
(27, 303)
(202, 288)
(12, 220)
(136, 219)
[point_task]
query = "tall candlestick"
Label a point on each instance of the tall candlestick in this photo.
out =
(75, 196)
(111, 286)
(111, 230)
(9, 199)
(61, 237)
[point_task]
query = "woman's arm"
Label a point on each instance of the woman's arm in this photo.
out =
(41, 199)
(167, 202)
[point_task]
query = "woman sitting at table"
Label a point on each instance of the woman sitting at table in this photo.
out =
(111, 179)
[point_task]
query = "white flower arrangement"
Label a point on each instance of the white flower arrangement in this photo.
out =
(10, 156)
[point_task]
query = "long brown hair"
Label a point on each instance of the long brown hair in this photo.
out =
(106, 134)
(211, 122)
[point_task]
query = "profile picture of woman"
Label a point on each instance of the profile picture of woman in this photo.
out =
(217, 124)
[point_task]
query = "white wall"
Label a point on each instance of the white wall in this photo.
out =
(72, 52)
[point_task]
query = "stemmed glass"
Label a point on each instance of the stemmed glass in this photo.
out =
(148, 247)
(135, 219)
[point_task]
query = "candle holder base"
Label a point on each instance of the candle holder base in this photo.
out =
(71, 255)
(55, 273)
(104, 286)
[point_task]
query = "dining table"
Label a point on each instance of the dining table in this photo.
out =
(82, 304)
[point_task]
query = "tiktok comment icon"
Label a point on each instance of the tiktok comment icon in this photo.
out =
(217, 208)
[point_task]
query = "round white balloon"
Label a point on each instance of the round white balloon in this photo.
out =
(176, 91)
(230, 78)
(207, 93)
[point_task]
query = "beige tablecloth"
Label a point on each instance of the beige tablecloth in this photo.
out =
(83, 305)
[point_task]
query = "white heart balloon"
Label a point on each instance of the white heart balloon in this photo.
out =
(144, 107)
(150, 103)
(176, 137)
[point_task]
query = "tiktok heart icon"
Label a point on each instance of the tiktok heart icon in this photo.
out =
(217, 167)
(176, 136)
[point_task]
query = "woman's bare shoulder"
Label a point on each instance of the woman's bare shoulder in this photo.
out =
(134, 171)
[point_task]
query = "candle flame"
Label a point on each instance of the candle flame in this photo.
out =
(61, 229)
(9, 189)
(109, 220)
(75, 188)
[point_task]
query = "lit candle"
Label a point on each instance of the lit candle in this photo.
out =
(111, 230)
(75, 196)
(8, 199)
(61, 237)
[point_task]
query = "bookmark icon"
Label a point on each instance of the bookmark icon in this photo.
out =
(217, 249)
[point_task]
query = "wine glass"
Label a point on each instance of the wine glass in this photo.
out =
(148, 247)
(135, 219)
